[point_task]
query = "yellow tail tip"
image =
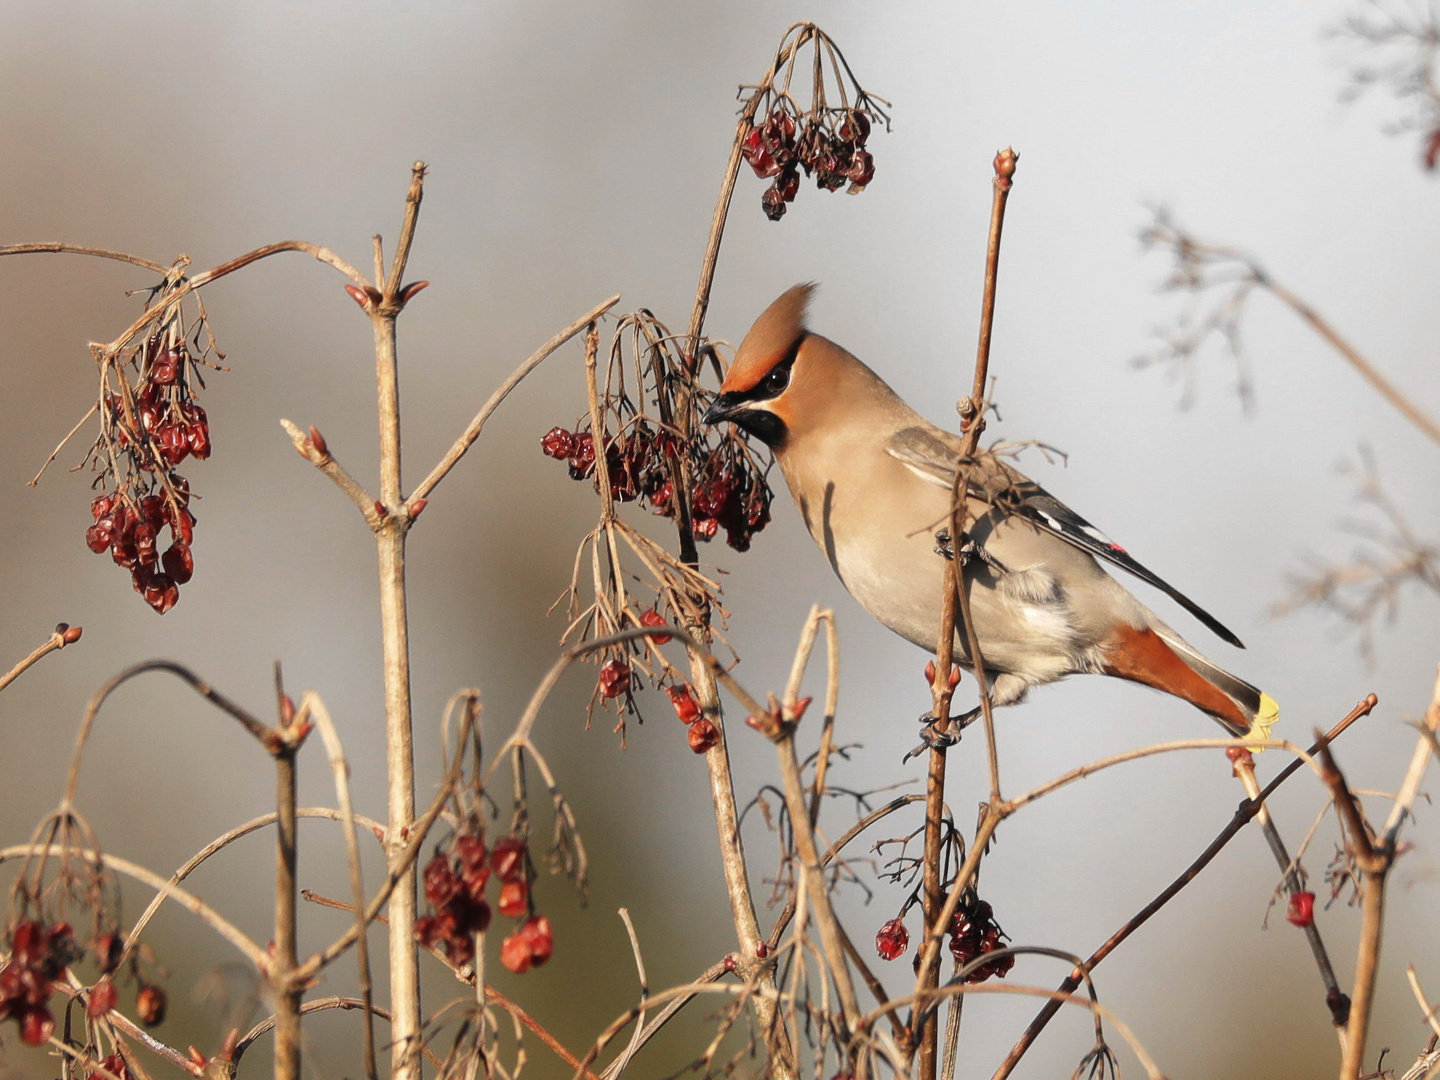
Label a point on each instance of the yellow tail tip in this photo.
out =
(1265, 719)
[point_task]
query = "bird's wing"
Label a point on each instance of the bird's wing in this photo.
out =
(932, 455)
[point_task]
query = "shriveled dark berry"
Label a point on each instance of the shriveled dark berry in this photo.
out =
(773, 203)
(150, 1005)
(582, 457)
(861, 170)
(614, 678)
(651, 617)
(703, 736)
(179, 562)
(683, 699)
(507, 859)
(557, 443)
(892, 940)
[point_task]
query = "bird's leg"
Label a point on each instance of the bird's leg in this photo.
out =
(969, 550)
(931, 738)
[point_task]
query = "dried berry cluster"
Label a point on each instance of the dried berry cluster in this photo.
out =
(148, 430)
(39, 955)
(455, 881)
(973, 933)
(703, 734)
(130, 529)
(729, 490)
(829, 144)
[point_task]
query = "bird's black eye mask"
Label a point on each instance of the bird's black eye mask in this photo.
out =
(762, 423)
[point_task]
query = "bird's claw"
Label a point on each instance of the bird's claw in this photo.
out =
(932, 738)
(969, 550)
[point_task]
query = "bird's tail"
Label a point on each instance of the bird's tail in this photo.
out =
(1157, 656)
(1257, 708)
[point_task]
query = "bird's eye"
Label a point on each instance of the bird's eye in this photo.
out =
(778, 379)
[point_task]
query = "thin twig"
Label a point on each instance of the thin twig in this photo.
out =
(325, 461)
(191, 903)
(63, 635)
(262, 732)
(1335, 1000)
(57, 248)
(473, 429)
(1243, 814)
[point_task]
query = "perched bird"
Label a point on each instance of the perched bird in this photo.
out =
(873, 481)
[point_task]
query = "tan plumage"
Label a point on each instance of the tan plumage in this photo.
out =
(872, 479)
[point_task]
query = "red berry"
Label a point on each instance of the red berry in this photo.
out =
(686, 707)
(441, 884)
(582, 458)
(855, 128)
(516, 953)
(166, 368)
(36, 1025)
(651, 617)
(614, 678)
(108, 949)
(179, 563)
(99, 536)
(557, 443)
(514, 897)
(150, 1005)
(861, 170)
(892, 940)
(103, 998)
(773, 203)
(145, 535)
(660, 499)
(788, 183)
(536, 930)
(102, 505)
(758, 156)
(198, 437)
(705, 528)
(475, 917)
(471, 850)
(703, 736)
(1301, 909)
(508, 859)
(162, 593)
(174, 443)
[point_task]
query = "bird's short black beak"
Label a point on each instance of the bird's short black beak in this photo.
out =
(723, 407)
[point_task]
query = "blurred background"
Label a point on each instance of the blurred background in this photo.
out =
(576, 151)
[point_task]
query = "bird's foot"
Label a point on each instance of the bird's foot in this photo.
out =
(968, 550)
(932, 738)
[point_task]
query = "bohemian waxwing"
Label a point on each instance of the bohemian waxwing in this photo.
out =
(872, 479)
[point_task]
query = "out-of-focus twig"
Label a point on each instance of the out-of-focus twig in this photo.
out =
(1396, 45)
(1370, 585)
(1203, 269)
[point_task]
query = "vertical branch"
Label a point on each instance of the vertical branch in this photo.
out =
(390, 532)
(956, 600)
(286, 959)
(313, 706)
(1375, 860)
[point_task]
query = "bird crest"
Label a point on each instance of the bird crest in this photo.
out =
(770, 340)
